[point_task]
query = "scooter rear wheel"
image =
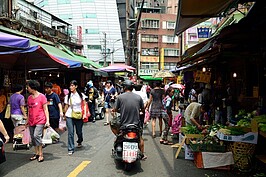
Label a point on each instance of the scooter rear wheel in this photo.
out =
(128, 166)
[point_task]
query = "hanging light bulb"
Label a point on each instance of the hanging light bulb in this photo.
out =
(50, 74)
(234, 75)
(35, 73)
(203, 69)
(58, 75)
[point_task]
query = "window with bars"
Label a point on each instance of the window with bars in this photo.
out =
(149, 38)
(147, 23)
(170, 25)
(171, 52)
(150, 51)
(169, 66)
(147, 65)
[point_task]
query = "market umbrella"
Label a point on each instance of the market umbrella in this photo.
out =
(163, 74)
(118, 68)
(177, 86)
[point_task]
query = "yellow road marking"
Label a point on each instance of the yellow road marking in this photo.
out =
(79, 168)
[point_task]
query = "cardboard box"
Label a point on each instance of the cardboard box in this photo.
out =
(198, 161)
(250, 137)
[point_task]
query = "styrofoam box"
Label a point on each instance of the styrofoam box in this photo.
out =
(250, 137)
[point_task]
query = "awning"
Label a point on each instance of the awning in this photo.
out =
(83, 59)
(193, 12)
(150, 78)
(34, 57)
(58, 54)
(12, 41)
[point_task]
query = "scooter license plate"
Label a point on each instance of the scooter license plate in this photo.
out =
(130, 151)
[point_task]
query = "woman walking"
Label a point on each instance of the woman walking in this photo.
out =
(73, 114)
(167, 116)
(109, 93)
(17, 103)
(156, 97)
(38, 117)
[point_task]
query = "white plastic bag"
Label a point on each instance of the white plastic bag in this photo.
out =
(62, 125)
(49, 134)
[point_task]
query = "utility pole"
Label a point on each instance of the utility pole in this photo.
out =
(104, 64)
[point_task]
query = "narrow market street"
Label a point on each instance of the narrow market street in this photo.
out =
(95, 158)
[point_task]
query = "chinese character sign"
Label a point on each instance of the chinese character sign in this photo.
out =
(79, 34)
(204, 32)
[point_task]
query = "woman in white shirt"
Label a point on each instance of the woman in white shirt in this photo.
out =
(73, 114)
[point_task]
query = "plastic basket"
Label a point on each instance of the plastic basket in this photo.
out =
(243, 153)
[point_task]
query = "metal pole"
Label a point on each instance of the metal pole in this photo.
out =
(104, 64)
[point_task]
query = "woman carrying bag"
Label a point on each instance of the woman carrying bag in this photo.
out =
(73, 114)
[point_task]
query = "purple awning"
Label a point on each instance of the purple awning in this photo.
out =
(8, 40)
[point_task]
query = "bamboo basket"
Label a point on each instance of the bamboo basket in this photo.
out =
(243, 153)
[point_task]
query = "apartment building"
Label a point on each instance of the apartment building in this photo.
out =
(95, 24)
(158, 47)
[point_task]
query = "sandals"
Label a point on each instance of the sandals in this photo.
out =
(161, 141)
(34, 157)
(143, 157)
(154, 136)
(40, 159)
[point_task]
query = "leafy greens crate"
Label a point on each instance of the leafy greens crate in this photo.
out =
(207, 147)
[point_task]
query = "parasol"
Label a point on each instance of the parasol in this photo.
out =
(163, 74)
(177, 86)
(118, 68)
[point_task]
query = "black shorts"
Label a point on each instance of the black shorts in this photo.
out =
(54, 123)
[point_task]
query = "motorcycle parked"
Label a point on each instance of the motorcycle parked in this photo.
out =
(126, 146)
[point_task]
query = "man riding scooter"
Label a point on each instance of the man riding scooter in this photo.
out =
(129, 105)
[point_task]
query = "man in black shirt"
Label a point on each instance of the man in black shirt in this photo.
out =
(129, 105)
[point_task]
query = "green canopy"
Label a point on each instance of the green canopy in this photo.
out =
(83, 59)
(150, 78)
(53, 50)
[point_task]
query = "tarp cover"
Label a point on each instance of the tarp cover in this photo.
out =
(8, 40)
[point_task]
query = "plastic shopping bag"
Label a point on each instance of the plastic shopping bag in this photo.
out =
(147, 117)
(50, 135)
(62, 125)
(26, 139)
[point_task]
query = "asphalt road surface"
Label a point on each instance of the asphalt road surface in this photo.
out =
(94, 159)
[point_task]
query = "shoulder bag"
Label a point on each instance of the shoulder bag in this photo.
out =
(75, 114)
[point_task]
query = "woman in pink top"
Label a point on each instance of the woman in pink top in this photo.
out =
(38, 117)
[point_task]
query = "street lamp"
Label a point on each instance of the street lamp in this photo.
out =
(113, 51)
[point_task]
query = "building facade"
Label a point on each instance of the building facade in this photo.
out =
(95, 24)
(158, 48)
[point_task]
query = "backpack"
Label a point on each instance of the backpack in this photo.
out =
(177, 123)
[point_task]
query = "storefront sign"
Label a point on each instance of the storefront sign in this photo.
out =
(204, 77)
(147, 71)
(149, 59)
